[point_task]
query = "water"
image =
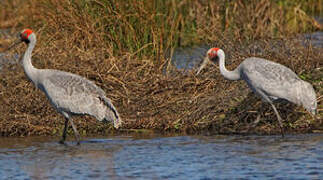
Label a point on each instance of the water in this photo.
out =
(314, 39)
(189, 58)
(5, 57)
(181, 157)
(8, 59)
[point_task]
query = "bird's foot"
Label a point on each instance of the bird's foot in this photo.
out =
(77, 138)
(61, 142)
(282, 132)
(280, 120)
(255, 123)
(252, 125)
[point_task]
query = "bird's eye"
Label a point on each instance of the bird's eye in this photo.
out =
(212, 54)
(24, 35)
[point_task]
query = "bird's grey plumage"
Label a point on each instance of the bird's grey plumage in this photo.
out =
(69, 93)
(270, 80)
(76, 95)
(277, 82)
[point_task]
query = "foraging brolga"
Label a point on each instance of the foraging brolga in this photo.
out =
(270, 80)
(69, 93)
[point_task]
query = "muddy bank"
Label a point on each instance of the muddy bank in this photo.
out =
(128, 63)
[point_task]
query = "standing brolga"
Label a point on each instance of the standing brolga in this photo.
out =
(270, 80)
(69, 93)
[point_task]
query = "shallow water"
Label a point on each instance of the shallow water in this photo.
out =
(181, 157)
(189, 58)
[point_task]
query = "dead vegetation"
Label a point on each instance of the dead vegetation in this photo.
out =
(121, 46)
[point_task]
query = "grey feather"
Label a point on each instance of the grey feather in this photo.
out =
(76, 95)
(277, 82)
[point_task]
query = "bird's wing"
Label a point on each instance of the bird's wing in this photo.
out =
(273, 79)
(72, 93)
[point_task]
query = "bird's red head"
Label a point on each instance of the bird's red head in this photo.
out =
(212, 53)
(24, 35)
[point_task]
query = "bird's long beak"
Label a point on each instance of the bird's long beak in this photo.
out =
(204, 63)
(16, 42)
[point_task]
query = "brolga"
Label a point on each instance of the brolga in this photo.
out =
(270, 80)
(70, 94)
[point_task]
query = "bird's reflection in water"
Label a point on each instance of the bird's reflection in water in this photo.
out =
(93, 159)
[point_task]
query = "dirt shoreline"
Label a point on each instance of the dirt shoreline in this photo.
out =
(128, 63)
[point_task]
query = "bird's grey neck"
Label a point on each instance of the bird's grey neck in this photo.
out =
(29, 69)
(230, 75)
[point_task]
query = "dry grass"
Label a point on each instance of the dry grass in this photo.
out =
(120, 47)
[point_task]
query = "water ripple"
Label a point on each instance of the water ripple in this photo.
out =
(181, 157)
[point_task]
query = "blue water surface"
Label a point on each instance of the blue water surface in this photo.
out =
(157, 157)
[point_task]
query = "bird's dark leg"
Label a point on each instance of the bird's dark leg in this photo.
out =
(64, 132)
(266, 98)
(76, 133)
(255, 123)
(279, 119)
